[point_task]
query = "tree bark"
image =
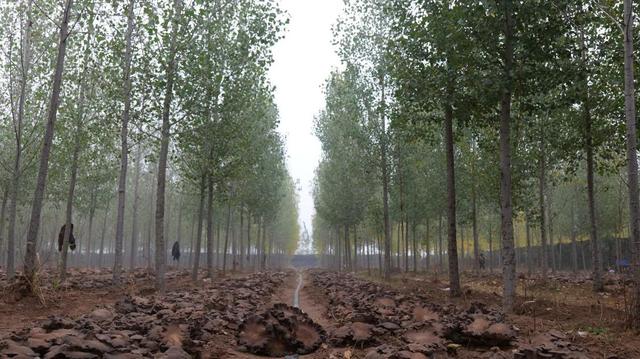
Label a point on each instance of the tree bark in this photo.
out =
(474, 222)
(124, 159)
(226, 238)
(161, 255)
(3, 213)
(104, 231)
(542, 204)
(528, 234)
(18, 127)
(30, 262)
(508, 252)
(134, 218)
(249, 238)
(210, 229)
(440, 261)
(92, 212)
(598, 286)
(196, 252)
(632, 156)
(241, 234)
(452, 249)
(385, 182)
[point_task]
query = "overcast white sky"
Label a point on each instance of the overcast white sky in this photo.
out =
(303, 60)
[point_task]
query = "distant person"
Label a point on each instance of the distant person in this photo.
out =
(72, 239)
(481, 260)
(175, 251)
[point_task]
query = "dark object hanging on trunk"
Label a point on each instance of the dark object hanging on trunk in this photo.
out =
(175, 251)
(72, 239)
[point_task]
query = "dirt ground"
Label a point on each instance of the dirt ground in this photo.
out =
(563, 306)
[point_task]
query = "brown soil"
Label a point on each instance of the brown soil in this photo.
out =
(558, 309)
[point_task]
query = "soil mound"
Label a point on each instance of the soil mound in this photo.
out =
(280, 330)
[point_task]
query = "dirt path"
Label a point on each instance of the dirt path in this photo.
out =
(312, 302)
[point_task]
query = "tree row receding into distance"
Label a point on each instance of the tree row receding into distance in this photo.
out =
(463, 134)
(137, 125)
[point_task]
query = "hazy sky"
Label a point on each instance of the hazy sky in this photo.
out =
(303, 60)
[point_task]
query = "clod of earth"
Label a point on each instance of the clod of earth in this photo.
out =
(279, 331)
(176, 325)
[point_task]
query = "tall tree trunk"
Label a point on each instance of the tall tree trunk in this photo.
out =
(241, 234)
(3, 214)
(598, 286)
(542, 179)
(30, 263)
(150, 227)
(191, 244)
(508, 253)
(428, 245)
(440, 261)
(76, 152)
(490, 249)
(18, 127)
(124, 147)
(355, 247)
(406, 245)
(462, 246)
(92, 213)
(264, 239)
(415, 247)
(134, 218)
(632, 156)
(161, 255)
(234, 245)
(259, 244)
(452, 250)
(249, 239)
(179, 228)
(528, 234)
(552, 248)
(474, 223)
(210, 229)
(226, 238)
(399, 245)
(347, 248)
(104, 232)
(196, 252)
(574, 245)
(385, 183)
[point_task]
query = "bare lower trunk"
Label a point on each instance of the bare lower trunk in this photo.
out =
(124, 148)
(249, 238)
(196, 252)
(226, 239)
(542, 204)
(134, 218)
(454, 277)
(92, 212)
(385, 185)
(474, 224)
(161, 255)
(3, 213)
(440, 261)
(210, 229)
(508, 252)
(528, 235)
(179, 228)
(18, 127)
(632, 157)
(241, 234)
(30, 260)
(104, 232)
(598, 286)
